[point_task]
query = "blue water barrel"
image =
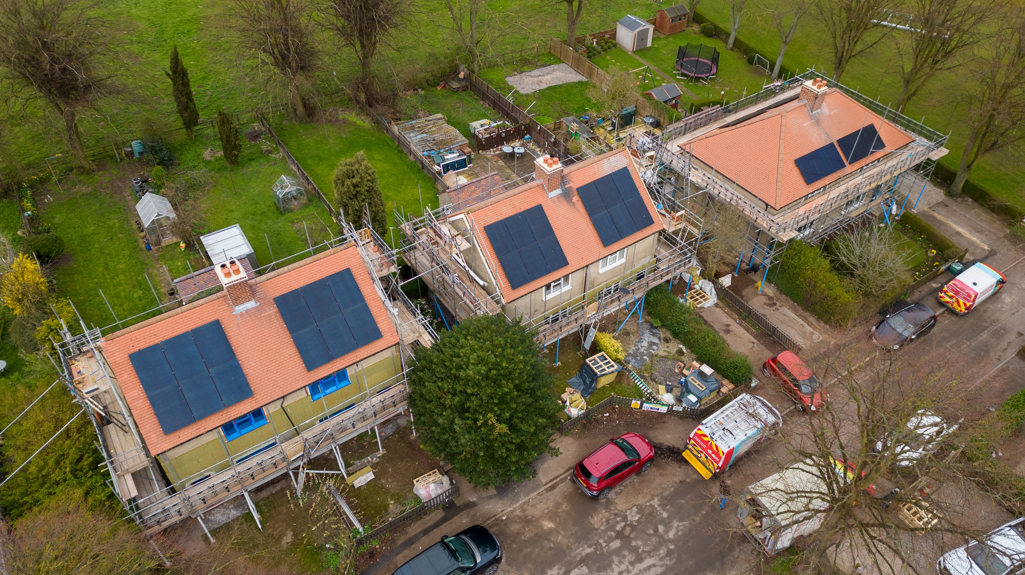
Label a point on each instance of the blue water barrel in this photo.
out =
(137, 148)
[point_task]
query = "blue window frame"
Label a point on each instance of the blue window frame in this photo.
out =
(245, 424)
(329, 384)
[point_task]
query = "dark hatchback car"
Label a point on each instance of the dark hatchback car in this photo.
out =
(473, 551)
(610, 464)
(904, 325)
(797, 380)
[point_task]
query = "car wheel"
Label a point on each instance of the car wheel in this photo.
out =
(604, 493)
(645, 467)
(491, 570)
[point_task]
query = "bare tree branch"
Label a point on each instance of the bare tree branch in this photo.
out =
(363, 26)
(847, 22)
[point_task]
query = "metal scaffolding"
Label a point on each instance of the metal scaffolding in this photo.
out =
(156, 497)
(837, 207)
(433, 246)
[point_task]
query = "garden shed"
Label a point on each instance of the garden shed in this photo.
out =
(289, 195)
(228, 244)
(633, 33)
(672, 19)
(156, 214)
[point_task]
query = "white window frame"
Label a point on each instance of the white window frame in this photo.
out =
(612, 260)
(557, 287)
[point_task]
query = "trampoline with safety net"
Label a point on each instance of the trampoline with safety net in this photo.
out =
(697, 61)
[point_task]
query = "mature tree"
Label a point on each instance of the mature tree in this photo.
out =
(53, 49)
(873, 259)
(727, 235)
(847, 22)
(469, 21)
(945, 32)
(23, 288)
(363, 26)
(483, 400)
(692, 9)
(281, 32)
(860, 447)
(231, 143)
(574, 9)
(996, 102)
(736, 8)
(785, 20)
(355, 184)
(182, 91)
(66, 537)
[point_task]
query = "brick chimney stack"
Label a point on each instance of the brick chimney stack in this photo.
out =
(548, 171)
(814, 92)
(236, 282)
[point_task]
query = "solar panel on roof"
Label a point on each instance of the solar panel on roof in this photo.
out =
(526, 246)
(615, 206)
(190, 376)
(327, 319)
(860, 143)
(820, 163)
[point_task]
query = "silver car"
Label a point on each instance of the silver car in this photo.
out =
(1001, 551)
(921, 436)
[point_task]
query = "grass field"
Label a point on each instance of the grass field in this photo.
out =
(320, 147)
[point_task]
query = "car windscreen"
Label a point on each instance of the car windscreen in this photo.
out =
(809, 386)
(988, 560)
(461, 551)
(586, 473)
(900, 325)
(628, 449)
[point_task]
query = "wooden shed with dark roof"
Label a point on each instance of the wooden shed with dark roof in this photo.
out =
(672, 19)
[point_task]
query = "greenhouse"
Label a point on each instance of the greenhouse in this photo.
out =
(289, 195)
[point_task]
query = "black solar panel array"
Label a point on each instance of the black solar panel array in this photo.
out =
(526, 246)
(615, 206)
(327, 319)
(818, 164)
(861, 143)
(190, 376)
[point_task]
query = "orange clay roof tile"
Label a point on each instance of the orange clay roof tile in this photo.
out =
(759, 154)
(568, 217)
(259, 338)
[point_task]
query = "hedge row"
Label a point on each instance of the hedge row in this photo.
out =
(687, 327)
(942, 243)
(806, 277)
(980, 194)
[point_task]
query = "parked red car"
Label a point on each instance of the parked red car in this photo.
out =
(612, 463)
(797, 380)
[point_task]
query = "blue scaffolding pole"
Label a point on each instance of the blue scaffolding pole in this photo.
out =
(638, 306)
(437, 306)
(740, 260)
(687, 291)
(915, 207)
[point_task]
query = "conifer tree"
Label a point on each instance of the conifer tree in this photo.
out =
(231, 144)
(356, 186)
(182, 91)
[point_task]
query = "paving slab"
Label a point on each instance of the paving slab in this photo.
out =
(647, 344)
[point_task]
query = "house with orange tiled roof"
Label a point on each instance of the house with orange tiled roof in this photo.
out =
(558, 252)
(805, 159)
(213, 399)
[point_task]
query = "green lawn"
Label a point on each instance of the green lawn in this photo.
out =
(320, 147)
(104, 252)
(545, 105)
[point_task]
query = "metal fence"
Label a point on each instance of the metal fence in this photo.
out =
(410, 515)
(760, 320)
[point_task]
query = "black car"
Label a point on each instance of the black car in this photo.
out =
(904, 325)
(473, 551)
